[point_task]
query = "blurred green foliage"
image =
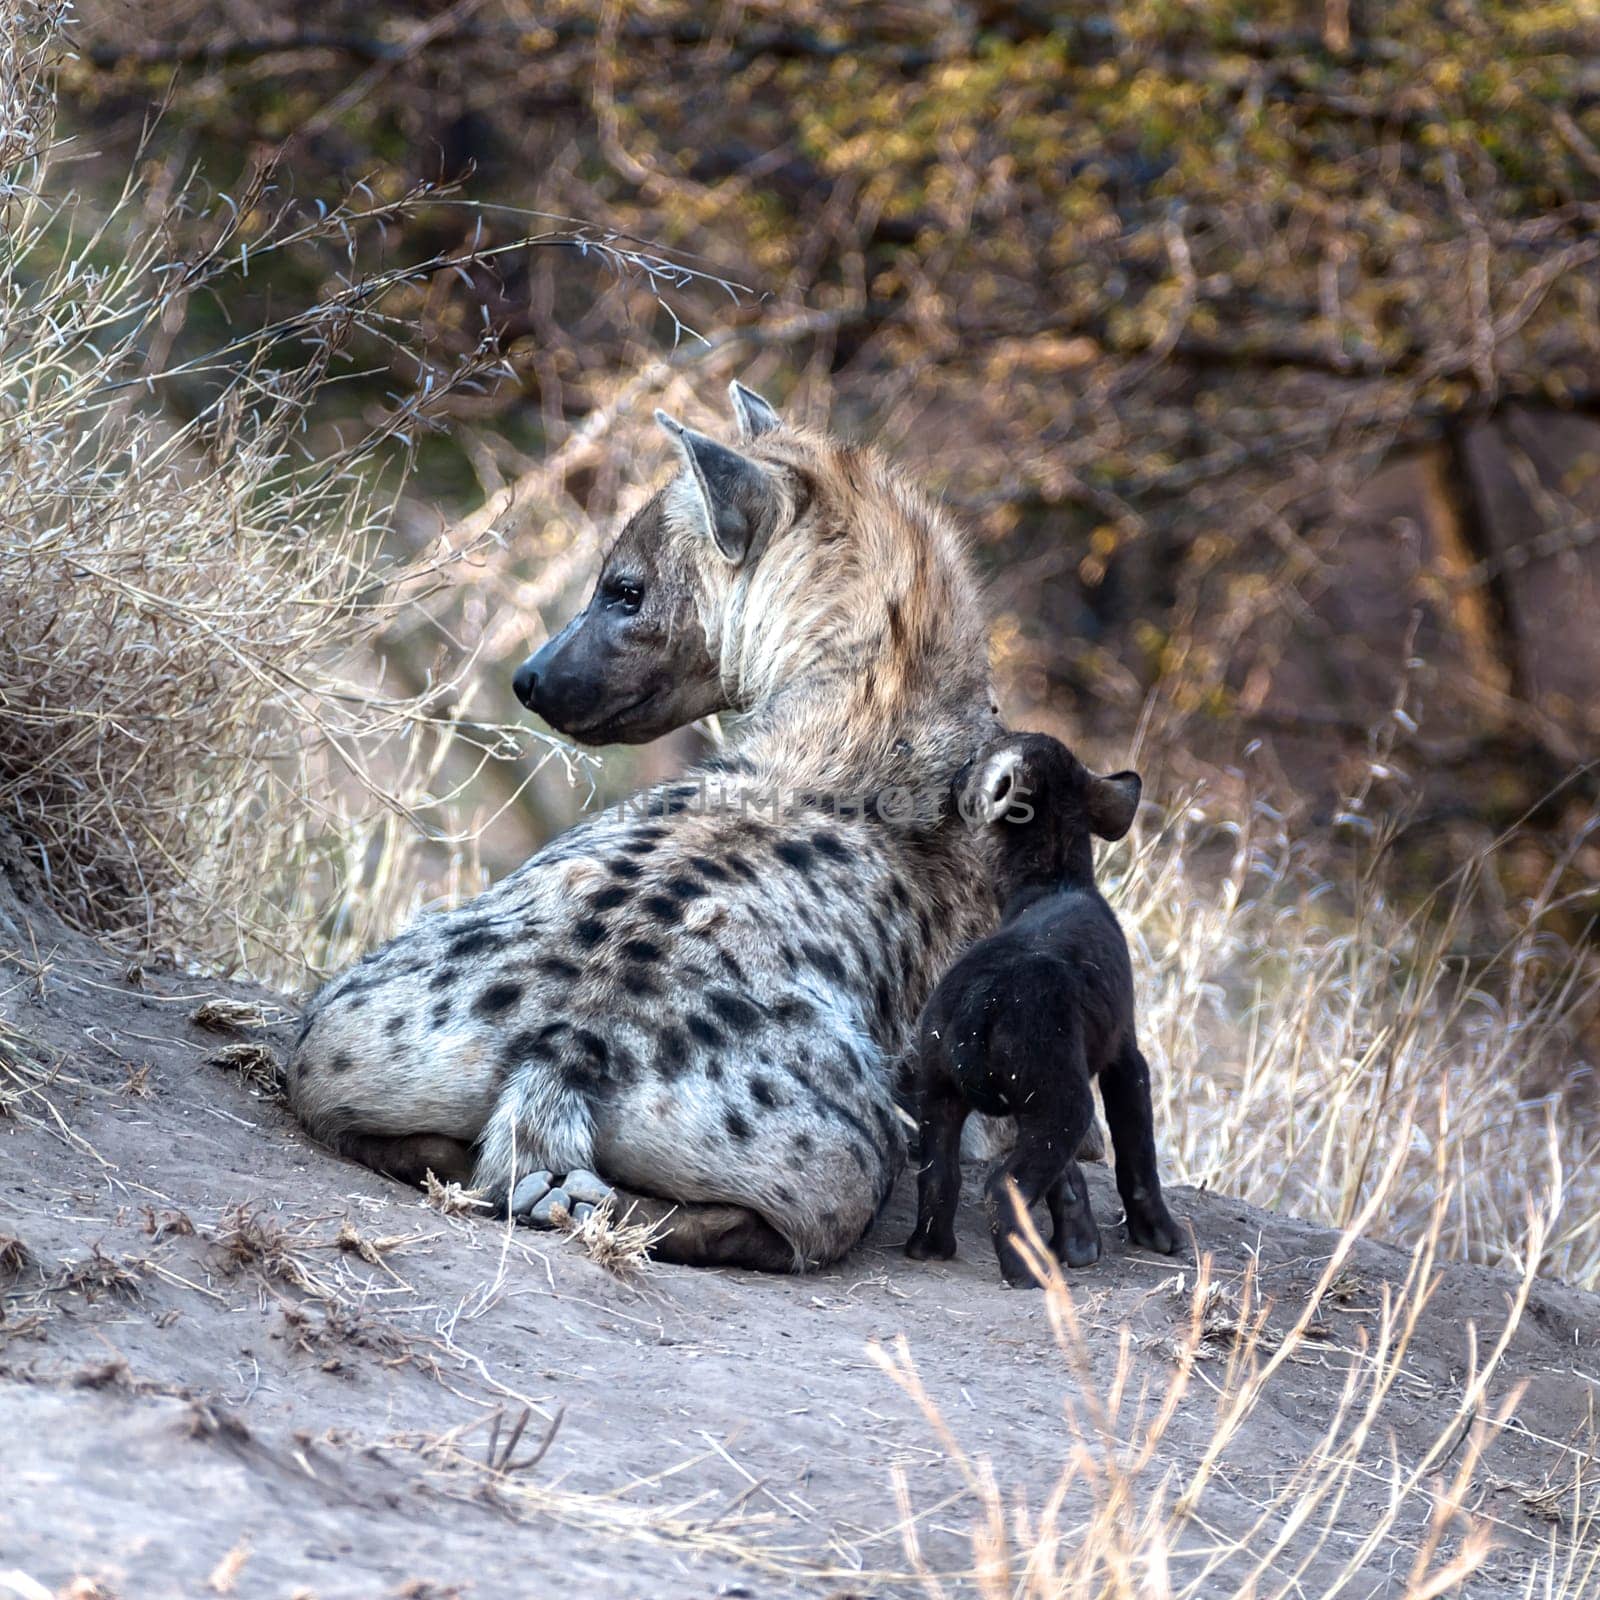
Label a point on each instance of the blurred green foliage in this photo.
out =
(1152, 291)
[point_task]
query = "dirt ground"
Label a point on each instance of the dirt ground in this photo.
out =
(231, 1363)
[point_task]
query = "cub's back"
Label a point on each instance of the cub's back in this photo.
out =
(1002, 1011)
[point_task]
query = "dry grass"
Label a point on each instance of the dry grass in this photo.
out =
(15, 1256)
(453, 1199)
(249, 1239)
(98, 1274)
(195, 738)
(1305, 1032)
(617, 1243)
(223, 1014)
(181, 598)
(695, 1525)
(255, 1064)
(33, 1078)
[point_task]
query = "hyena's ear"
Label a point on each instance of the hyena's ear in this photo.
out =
(1112, 803)
(740, 500)
(996, 785)
(754, 416)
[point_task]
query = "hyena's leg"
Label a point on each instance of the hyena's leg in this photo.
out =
(410, 1157)
(396, 1112)
(700, 1233)
(794, 1192)
(690, 1233)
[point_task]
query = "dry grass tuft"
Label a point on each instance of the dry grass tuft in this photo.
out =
(222, 1014)
(247, 1240)
(255, 1064)
(328, 1330)
(205, 1419)
(112, 1374)
(453, 1199)
(15, 1256)
(500, 1458)
(1557, 1503)
(619, 1244)
(1230, 1320)
(166, 1224)
(353, 1242)
(99, 1274)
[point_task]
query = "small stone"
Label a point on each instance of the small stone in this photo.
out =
(582, 1210)
(544, 1215)
(528, 1193)
(582, 1185)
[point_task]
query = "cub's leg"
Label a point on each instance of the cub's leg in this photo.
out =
(1125, 1089)
(1035, 1168)
(1076, 1240)
(942, 1115)
(1051, 1072)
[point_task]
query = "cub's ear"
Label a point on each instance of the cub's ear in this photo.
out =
(739, 498)
(995, 787)
(1112, 803)
(754, 416)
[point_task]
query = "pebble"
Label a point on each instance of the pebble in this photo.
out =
(527, 1193)
(542, 1214)
(582, 1185)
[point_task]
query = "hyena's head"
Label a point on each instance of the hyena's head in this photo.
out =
(766, 563)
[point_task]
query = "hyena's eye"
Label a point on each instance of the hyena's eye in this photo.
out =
(622, 594)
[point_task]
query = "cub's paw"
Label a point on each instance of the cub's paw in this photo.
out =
(1079, 1248)
(1150, 1226)
(923, 1245)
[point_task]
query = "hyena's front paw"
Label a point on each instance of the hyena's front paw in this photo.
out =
(543, 1200)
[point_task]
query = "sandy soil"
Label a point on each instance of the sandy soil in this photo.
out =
(232, 1363)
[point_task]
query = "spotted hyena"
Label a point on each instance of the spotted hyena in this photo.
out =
(703, 995)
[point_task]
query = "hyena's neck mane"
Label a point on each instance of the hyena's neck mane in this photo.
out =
(860, 645)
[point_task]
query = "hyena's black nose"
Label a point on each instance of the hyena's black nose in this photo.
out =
(526, 681)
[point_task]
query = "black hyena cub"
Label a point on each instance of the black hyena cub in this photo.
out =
(1023, 1021)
